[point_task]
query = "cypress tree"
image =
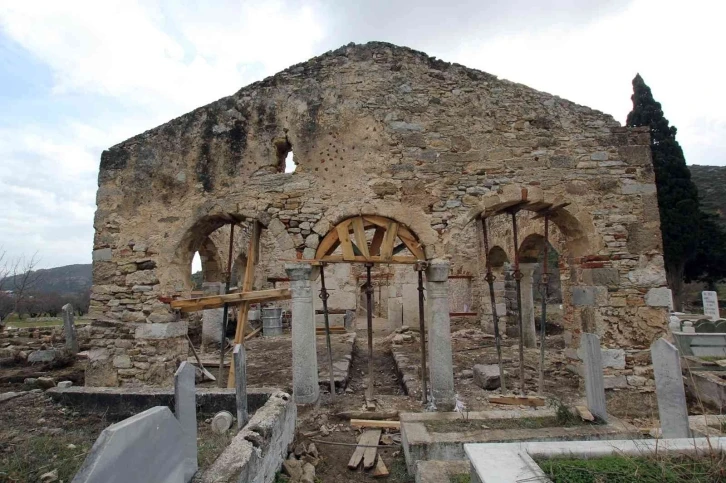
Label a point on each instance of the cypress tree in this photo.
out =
(680, 216)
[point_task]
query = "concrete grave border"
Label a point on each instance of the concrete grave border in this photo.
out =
(513, 462)
(420, 444)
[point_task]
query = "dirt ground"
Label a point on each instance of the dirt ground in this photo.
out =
(38, 436)
(388, 394)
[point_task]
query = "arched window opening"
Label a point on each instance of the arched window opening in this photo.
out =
(197, 274)
(285, 158)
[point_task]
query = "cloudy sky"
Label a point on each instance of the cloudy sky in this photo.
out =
(77, 76)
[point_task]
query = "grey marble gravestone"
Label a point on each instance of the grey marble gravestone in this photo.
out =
(594, 381)
(185, 410)
(147, 447)
(672, 407)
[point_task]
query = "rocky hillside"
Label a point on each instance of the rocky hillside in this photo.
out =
(70, 279)
(711, 183)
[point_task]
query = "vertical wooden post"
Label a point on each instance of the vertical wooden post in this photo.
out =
(420, 267)
(225, 313)
(495, 317)
(324, 297)
(369, 316)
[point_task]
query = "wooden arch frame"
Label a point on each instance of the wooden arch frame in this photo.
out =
(389, 238)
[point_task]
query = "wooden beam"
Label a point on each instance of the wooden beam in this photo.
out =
(533, 401)
(402, 259)
(372, 423)
(345, 244)
(377, 240)
(359, 233)
(389, 240)
(328, 244)
(217, 301)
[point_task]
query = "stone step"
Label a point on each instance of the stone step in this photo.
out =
(437, 471)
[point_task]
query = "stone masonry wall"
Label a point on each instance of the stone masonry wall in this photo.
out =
(374, 129)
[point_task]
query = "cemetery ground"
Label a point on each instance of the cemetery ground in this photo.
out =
(38, 436)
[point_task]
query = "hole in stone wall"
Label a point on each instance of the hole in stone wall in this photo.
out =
(283, 148)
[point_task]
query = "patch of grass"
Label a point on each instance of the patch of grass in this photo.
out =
(210, 445)
(30, 458)
(446, 426)
(625, 469)
(397, 471)
(460, 479)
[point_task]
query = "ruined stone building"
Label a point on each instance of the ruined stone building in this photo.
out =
(373, 129)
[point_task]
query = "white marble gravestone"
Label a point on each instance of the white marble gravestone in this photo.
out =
(710, 304)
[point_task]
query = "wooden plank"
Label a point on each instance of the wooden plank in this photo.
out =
(345, 243)
(373, 423)
(377, 220)
(533, 401)
(359, 233)
(253, 256)
(413, 245)
(380, 471)
(217, 301)
(378, 415)
(369, 438)
(389, 240)
(377, 240)
(253, 333)
(328, 245)
(369, 455)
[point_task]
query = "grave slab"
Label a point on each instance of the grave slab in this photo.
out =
(146, 447)
(672, 406)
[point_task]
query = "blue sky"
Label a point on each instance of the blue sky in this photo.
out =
(79, 76)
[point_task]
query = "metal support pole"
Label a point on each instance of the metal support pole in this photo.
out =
(420, 267)
(518, 280)
(369, 316)
(225, 311)
(324, 295)
(495, 317)
(544, 284)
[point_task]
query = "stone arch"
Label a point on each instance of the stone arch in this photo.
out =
(196, 237)
(498, 257)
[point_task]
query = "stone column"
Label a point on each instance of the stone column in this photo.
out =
(441, 367)
(304, 355)
(529, 335)
(70, 329)
(212, 319)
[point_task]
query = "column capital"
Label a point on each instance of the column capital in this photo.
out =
(438, 270)
(299, 271)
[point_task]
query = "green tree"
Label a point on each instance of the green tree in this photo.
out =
(680, 216)
(709, 264)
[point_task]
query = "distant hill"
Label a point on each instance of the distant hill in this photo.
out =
(711, 184)
(70, 279)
